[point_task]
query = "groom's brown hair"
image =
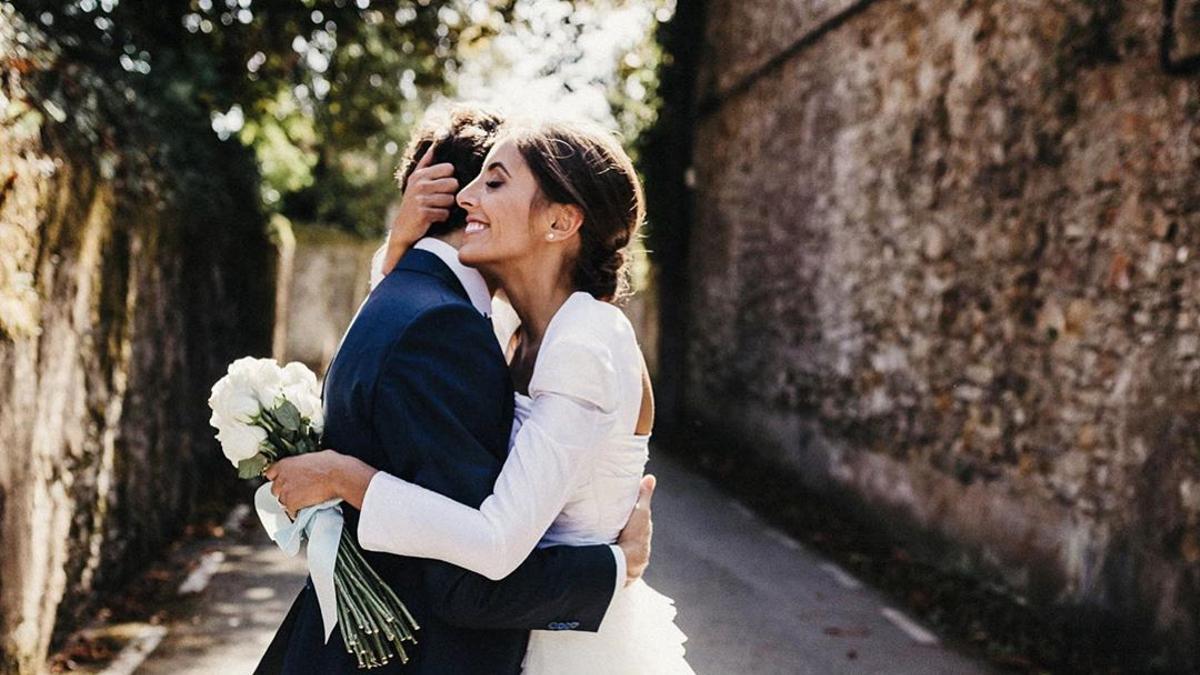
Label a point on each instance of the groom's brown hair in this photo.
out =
(463, 137)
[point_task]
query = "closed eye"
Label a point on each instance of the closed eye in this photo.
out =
(493, 184)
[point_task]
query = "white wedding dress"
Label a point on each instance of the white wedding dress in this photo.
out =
(572, 477)
(638, 634)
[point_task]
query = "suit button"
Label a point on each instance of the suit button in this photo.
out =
(573, 625)
(554, 625)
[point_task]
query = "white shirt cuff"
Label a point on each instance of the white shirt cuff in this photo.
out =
(620, 555)
(372, 520)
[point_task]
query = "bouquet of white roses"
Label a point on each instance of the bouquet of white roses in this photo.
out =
(263, 413)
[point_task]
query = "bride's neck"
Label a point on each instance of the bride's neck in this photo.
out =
(536, 303)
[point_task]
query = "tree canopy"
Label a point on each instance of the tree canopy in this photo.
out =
(325, 91)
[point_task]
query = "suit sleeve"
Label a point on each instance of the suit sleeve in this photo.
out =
(436, 381)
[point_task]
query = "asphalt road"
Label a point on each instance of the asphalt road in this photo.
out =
(754, 601)
(751, 600)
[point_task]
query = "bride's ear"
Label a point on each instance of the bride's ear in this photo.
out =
(567, 221)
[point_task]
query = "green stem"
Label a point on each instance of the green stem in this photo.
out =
(395, 628)
(349, 638)
(344, 595)
(376, 623)
(363, 646)
(373, 581)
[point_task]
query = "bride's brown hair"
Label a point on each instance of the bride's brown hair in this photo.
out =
(584, 165)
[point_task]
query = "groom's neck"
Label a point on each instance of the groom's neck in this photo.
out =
(454, 238)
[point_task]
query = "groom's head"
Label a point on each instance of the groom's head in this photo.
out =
(463, 135)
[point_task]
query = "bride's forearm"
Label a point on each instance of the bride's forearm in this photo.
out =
(404, 518)
(397, 246)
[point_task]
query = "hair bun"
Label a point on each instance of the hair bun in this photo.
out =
(606, 278)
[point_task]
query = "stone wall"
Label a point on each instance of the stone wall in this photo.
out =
(131, 273)
(330, 276)
(944, 265)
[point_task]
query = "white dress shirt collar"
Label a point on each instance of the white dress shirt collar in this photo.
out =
(469, 277)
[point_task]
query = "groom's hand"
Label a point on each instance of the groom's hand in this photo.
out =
(639, 530)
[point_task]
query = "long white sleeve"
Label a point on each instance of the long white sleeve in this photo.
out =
(377, 264)
(574, 406)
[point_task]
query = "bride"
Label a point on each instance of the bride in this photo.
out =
(548, 222)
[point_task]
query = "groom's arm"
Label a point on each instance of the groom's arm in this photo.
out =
(438, 379)
(556, 588)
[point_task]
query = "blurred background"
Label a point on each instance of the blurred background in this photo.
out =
(917, 286)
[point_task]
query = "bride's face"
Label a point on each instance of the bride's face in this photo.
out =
(503, 213)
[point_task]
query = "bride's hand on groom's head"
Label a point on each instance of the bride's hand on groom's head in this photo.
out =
(639, 530)
(429, 195)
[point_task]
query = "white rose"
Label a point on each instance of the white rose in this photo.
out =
(238, 404)
(268, 395)
(262, 377)
(296, 374)
(302, 398)
(241, 406)
(307, 403)
(241, 441)
(231, 401)
(220, 389)
(217, 402)
(317, 421)
(251, 369)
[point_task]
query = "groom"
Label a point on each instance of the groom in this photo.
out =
(420, 389)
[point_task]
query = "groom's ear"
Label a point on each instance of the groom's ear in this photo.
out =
(567, 220)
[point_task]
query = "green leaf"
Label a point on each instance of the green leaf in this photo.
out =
(253, 467)
(290, 435)
(304, 445)
(274, 440)
(288, 416)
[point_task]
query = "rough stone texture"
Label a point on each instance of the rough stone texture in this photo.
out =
(330, 276)
(753, 33)
(126, 284)
(944, 263)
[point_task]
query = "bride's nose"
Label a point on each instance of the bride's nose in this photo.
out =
(466, 196)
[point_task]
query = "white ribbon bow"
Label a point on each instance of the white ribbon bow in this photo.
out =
(321, 525)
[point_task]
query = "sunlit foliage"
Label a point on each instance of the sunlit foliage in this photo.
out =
(326, 91)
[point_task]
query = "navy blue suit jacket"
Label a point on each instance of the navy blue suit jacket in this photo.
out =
(420, 389)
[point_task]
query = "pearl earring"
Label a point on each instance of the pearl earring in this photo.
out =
(550, 236)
